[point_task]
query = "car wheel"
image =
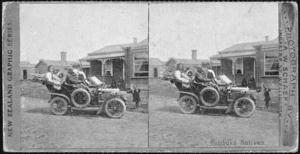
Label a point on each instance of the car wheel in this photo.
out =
(59, 106)
(244, 107)
(209, 96)
(80, 98)
(115, 108)
(187, 104)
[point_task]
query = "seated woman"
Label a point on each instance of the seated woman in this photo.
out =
(53, 83)
(181, 79)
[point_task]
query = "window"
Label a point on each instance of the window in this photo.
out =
(271, 64)
(108, 67)
(140, 65)
(238, 66)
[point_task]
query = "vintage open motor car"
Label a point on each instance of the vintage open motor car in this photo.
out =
(91, 94)
(219, 94)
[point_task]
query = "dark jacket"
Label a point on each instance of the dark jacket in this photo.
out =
(199, 77)
(72, 79)
(244, 82)
(135, 95)
(267, 94)
(251, 83)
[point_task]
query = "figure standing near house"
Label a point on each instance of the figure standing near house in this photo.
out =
(267, 95)
(244, 82)
(120, 84)
(252, 83)
(113, 83)
(136, 95)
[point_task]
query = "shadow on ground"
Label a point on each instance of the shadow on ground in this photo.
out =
(75, 113)
(175, 109)
(39, 110)
(78, 113)
(170, 109)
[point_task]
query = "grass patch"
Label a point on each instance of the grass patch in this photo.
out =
(33, 89)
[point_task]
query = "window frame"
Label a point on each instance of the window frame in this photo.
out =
(134, 64)
(111, 69)
(265, 70)
(234, 71)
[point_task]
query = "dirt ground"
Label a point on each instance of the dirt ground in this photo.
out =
(41, 129)
(80, 129)
(170, 128)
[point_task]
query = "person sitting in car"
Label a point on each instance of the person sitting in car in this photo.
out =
(72, 78)
(80, 74)
(53, 83)
(200, 75)
(181, 79)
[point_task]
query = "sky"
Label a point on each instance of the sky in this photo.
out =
(178, 28)
(174, 28)
(78, 29)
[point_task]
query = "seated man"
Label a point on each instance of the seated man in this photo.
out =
(71, 77)
(200, 76)
(80, 74)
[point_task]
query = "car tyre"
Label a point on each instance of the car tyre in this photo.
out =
(187, 104)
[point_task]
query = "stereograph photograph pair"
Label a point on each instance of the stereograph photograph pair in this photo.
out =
(150, 77)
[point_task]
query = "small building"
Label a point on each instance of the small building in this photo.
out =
(189, 64)
(42, 65)
(86, 68)
(25, 70)
(253, 59)
(123, 63)
(156, 67)
(215, 64)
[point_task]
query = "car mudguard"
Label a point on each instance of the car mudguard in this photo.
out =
(189, 93)
(62, 95)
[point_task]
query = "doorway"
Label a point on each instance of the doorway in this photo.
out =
(155, 72)
(24, 74)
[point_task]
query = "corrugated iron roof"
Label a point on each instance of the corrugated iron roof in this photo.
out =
(248, 45)
(188, 61)
(100, 56)
(117, 47)
(57, 62)
(244, 49)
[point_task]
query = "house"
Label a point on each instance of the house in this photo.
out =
(124, 63)
(25, 70)
(42, 65)
(253, 59)
(86, 68)
(156, 67)
(215, 64)
(189, 64)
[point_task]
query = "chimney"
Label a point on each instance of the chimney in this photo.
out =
(266, 38)
(134, 40)
(63, 56)
(194, 54)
